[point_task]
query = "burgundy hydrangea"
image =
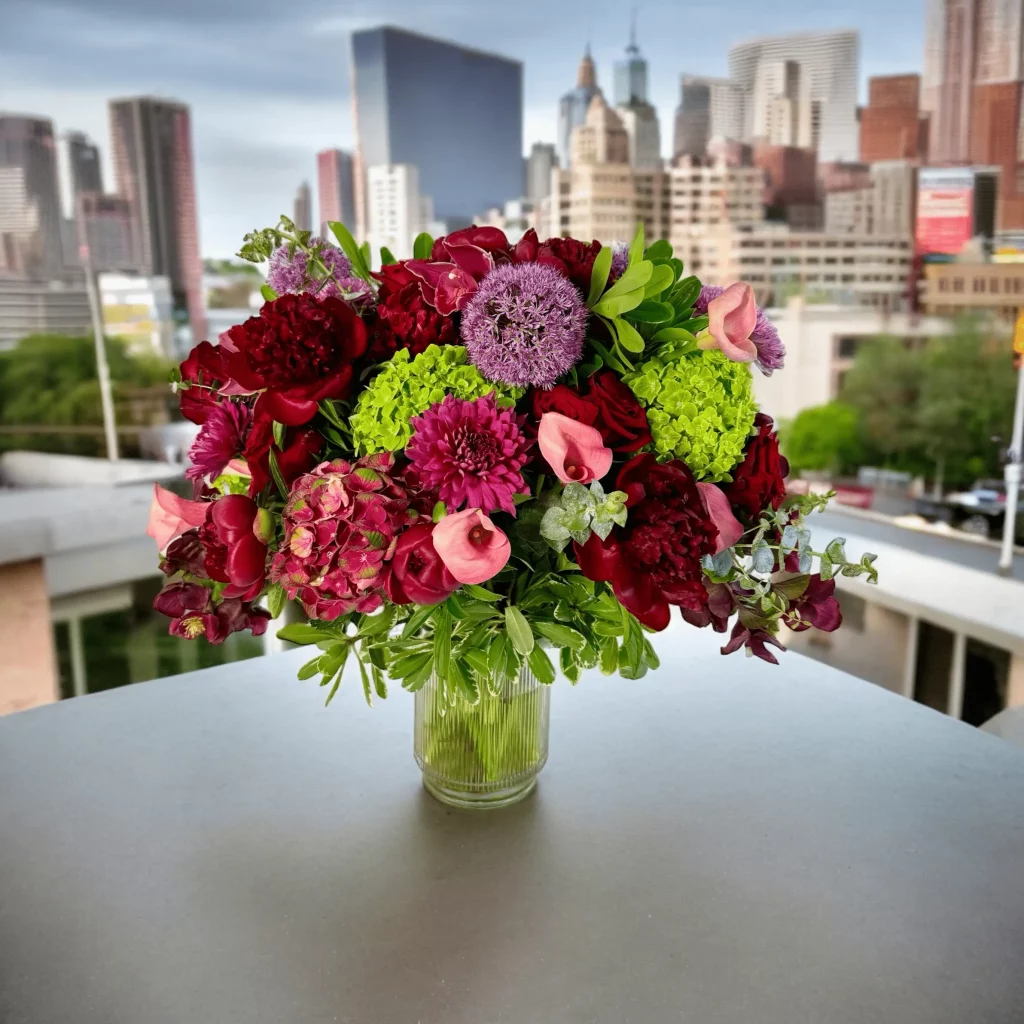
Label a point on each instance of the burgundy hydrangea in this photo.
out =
(299, 351)
(341, 524)
(525, 325)
(771, 353)
(471, 453)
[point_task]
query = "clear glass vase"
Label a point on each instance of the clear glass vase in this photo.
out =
(486, 754)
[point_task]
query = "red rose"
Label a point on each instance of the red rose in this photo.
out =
(569, 256)
(416, 574)
(655, 560)
(565, 400)
(204, 369)
(621, 418)
(759, 480)
(300, 349)
(194, 613)
(404, 319)
(234, 554)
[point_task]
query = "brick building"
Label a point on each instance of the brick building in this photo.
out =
(891, 125)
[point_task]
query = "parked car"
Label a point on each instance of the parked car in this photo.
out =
(981, 510)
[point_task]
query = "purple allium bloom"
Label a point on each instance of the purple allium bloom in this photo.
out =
(620, 259)
(220, 439)
(287, 273)
(771, 353)
(524, 325)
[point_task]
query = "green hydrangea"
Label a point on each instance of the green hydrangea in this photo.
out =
(407, 387)
(700, 408)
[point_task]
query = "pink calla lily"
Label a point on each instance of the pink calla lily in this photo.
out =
(472, 548)
(729, 527)
(575, 451)
(170, 516)
(732, 317)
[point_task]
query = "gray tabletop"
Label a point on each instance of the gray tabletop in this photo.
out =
(720, 842)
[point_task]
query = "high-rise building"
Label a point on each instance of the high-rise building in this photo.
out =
(302, 208)
(709, 108)
(152, 145)
(85, 172)
(334, 189)
(454, 113)
(573, 107)
(891, 125)
(397, 210)
(830, 61)
(539, 165)
(602, 138)
(791, 185)
(782, 111)
(104, 224)
(30, 214)
(631, 73)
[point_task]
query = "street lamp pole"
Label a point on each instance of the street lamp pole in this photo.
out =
(102, 367)
(1012, 471)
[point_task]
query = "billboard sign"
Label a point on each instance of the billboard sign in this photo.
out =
(945, 210)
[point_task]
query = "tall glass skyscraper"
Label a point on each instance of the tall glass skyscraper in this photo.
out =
(454, 113)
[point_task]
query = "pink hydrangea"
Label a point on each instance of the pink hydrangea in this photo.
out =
(471, 453)
(341, 524)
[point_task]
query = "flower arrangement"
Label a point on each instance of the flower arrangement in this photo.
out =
(485, 459)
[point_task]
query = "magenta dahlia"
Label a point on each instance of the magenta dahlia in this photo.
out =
(470, 453)
(525, 325)
(341, 524)
(221, 438)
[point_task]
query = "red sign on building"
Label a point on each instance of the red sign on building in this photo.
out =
(945, 210)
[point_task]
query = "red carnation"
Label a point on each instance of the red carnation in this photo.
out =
(655, 560)
(416, 574)
(234, 554)
(759, 481)
(203, 368)
(607, 405)
(404, 319)
(569, 256)
(299, 351)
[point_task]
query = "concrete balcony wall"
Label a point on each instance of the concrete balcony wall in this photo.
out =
(29, 675)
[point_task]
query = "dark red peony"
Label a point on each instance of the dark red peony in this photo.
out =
(759, 481)
(301, 349)
(815, 605)
(404, 318)
(203, 369)
(655, 560)
(234, 554)
(569, 256)
(607, 404)
(416, 574)
(194, 613)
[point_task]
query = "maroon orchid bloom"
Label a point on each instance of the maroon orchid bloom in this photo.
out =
(458, 263)
(234, 554)
(193, 613)
(815, 606)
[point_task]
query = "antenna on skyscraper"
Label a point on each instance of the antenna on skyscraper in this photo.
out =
(632, 31)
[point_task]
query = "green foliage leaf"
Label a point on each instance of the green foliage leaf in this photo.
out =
(518, 629)
(442, 622)
(276, 600)
(661, 278)
(540, 665)
(599, 275)
(310, 669)
(360, 266)
(636, 247)
(275, 472)
(658, 250)
(481, 593)
(649, 312)
(686, 292)
(416, 620)
(628, 336)
(279, 432)
(303, 633)
(386, 256)
(422, 246)
(615, 305)
(268, 293)
(561, 636)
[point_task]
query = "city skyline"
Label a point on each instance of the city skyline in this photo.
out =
(256, 134)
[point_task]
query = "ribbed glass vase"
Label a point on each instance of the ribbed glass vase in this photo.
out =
(486, 754)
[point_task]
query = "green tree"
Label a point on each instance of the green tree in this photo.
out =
(50, 381)
(824, 437)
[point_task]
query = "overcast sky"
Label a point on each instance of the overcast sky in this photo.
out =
(268, 80)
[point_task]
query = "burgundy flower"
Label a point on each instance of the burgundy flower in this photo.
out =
(194, 613)
(204, 369)
(569, 256)
(754, 639)
(458, 263)
(716, 611)
(404, 319)
(655, 560)
(759, 481)
(299, 351)
(816, 606)
(234, 554)
(607, 405)
(185, 554)
(416, 573)
(489, 239)
(301, 452)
